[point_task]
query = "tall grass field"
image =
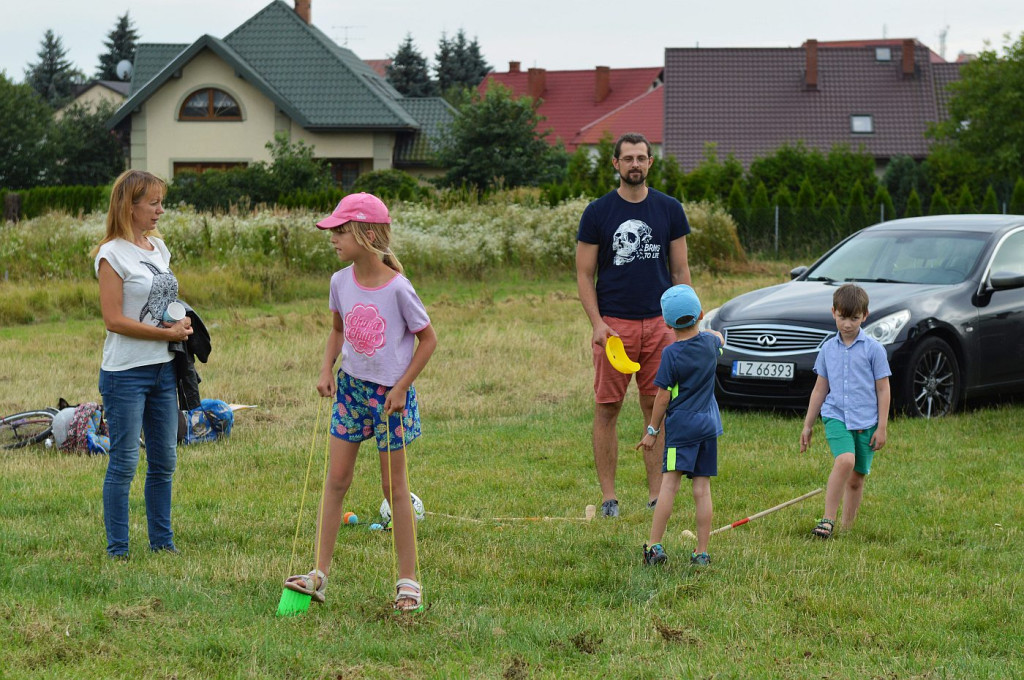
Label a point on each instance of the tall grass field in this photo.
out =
(927, 585)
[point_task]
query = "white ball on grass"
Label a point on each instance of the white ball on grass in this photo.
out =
(417, 506)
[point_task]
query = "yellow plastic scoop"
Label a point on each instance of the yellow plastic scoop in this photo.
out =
(617, 356)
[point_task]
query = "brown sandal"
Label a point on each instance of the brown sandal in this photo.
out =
(824, 528)
(316, 576)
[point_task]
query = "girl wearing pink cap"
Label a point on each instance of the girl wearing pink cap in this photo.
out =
(383, 334)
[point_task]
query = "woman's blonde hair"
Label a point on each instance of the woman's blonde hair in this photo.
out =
(129, 188)
(379, 244)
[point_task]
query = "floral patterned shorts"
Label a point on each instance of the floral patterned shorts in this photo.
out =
(359, 414)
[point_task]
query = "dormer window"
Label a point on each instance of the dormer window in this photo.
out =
(862, 124)
(883, 54)
(210, 103)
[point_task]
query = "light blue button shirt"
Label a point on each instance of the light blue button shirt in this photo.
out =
(851, 373)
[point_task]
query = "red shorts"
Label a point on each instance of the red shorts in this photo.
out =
(643, 339)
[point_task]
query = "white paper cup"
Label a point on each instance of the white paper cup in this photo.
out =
(175, 312)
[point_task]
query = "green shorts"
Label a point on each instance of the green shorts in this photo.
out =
(857, 442)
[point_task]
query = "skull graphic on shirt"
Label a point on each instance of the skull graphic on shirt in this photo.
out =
(627, 240)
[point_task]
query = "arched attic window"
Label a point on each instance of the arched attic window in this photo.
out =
(209, 103)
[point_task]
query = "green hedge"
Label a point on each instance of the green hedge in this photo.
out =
(73, 200)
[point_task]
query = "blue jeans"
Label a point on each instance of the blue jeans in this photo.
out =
(136, 400)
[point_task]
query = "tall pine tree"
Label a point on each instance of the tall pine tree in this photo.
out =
(408, 71)
(459, 63)
(120, 43)
(54, 77)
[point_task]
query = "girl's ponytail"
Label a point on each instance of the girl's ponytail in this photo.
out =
(391, 260)
(379, 244)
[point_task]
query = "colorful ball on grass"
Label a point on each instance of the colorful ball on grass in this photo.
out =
(375, 527)
(350, 518)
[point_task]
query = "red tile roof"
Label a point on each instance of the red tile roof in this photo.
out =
(644, 114)
(380, 66)
(571, 112)
(752, 101)
(933, 57)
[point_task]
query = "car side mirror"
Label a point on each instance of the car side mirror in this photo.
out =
(797, 271)
(1004, 280)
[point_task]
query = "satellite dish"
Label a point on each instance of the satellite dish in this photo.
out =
(123, 69)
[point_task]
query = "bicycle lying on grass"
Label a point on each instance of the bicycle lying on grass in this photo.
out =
(27, 427)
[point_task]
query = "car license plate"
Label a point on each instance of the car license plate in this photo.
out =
(769, 370)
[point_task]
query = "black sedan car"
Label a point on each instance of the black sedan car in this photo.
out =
(946, 301)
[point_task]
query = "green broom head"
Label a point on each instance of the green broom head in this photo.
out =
(293, 603)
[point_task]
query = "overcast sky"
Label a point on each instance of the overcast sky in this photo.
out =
(551, 34)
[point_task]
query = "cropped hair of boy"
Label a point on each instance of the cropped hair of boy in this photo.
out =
(850, 300)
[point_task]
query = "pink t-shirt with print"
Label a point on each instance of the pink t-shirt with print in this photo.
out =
(380, 326)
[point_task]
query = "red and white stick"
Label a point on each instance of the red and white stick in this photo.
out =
(765, 512)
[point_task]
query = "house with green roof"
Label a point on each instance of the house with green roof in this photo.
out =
(217, 102)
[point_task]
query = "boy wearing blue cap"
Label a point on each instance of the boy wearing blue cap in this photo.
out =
(686, 402)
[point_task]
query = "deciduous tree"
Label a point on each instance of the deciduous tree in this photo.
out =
(25, 120)
(985, 111)
(496, 141)
(85, 152)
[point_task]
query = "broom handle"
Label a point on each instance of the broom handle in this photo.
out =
(765, 512)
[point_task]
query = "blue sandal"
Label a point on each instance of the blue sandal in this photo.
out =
(699, 560)
(654, 555)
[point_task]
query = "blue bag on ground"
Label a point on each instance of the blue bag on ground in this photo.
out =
(211, 421)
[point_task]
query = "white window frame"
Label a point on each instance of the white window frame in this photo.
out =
(858, 121)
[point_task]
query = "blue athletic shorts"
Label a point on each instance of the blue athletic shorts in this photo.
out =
(693, 460)
(359, 414)
(857, 442)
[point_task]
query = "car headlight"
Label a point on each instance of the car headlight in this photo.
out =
(888, 328)
(705, 323)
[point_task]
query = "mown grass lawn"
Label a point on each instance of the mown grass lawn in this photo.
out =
(927, 585)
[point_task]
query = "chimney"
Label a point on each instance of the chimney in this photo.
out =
(811, 75)
(304, 10)
(908, 58)
(536, 82)
(602, 85)
(513, 67)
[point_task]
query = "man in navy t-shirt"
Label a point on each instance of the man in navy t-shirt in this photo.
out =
(631, 247)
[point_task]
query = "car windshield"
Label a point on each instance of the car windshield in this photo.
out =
(903, 257)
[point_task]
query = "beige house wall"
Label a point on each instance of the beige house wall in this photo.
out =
(159, 139)
(92, 98)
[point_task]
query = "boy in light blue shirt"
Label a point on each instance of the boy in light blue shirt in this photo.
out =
(852, 395)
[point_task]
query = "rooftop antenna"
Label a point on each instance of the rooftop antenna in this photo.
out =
(345, 29)
(942, 42)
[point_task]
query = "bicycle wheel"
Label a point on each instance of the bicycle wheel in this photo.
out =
(28, 427)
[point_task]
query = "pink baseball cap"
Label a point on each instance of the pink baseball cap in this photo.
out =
(361, 207)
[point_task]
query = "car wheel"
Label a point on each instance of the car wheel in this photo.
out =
(932, 385)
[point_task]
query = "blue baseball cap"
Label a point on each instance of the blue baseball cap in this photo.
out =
(680, 306)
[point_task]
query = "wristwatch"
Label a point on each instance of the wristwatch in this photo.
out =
(651, 431)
